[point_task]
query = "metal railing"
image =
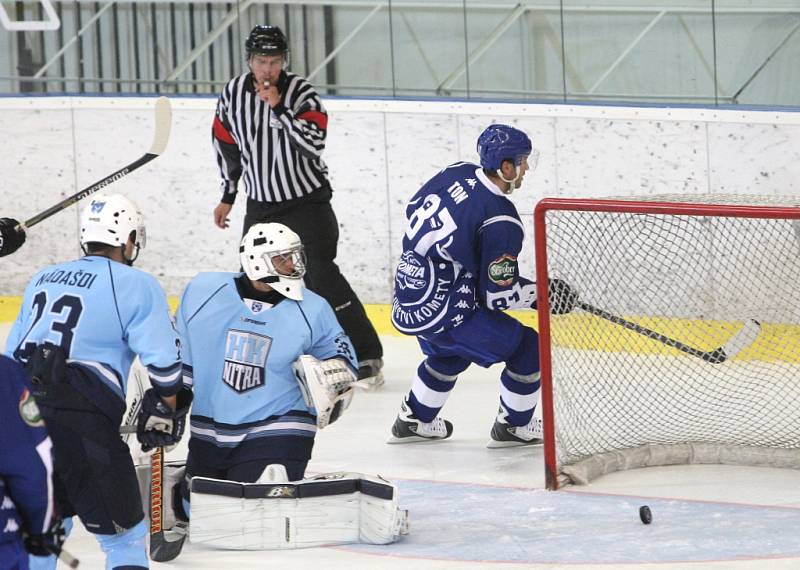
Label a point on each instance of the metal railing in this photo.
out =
(705, 52)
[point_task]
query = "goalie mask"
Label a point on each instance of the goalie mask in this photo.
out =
(110, 220)
(273, 254)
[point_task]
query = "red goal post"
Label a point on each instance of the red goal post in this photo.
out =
(685, 343)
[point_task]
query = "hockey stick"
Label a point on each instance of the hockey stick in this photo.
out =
(742, 339)
(63, 555)
(164, 545)
(160, 139)
(132, 415)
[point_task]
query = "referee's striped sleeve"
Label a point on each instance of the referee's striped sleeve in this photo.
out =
(228, 155)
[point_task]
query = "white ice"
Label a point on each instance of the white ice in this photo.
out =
(472, 507)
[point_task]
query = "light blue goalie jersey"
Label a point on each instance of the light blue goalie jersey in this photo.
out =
(239, 354)
(460, 249)
(102, 313)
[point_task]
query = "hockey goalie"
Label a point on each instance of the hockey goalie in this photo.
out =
(274, 512)
(327, 509)
(270, 365)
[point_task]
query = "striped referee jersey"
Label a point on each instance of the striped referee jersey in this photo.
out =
(278, 152)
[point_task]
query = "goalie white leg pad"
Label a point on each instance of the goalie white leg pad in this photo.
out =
(334, 508)
(173, 474)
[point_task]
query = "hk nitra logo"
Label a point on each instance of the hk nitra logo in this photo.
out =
(245, 360)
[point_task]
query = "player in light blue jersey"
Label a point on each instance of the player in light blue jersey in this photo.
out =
(242, 333)
(457, 273)
(79, 328)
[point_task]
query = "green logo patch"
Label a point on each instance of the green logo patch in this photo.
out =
(29, 411)
(503, 269)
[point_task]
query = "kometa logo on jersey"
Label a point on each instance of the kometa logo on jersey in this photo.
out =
(245, 359)
(410, 272)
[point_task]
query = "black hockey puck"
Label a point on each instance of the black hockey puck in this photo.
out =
(645, 514)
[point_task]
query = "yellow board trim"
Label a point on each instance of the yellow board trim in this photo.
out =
(776, 343)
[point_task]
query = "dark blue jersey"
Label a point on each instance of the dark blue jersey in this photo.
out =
(460, 250)
(26, 465)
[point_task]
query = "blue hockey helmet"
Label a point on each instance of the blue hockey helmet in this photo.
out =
(502, 142)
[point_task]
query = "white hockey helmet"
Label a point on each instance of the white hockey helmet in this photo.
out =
(273, 254)
(110, 220)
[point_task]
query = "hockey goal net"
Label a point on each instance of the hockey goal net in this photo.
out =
(684, 345)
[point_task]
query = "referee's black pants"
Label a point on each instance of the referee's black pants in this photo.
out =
(313, 219)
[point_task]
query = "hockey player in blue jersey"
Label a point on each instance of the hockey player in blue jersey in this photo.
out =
(26, 469)
(80, 326)
(457, 274)
(242, 335)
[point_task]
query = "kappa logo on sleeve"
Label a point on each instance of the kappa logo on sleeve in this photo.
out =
(29, 411)
(503, 269)
(245, 360)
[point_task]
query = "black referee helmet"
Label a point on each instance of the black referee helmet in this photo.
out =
(267, 40)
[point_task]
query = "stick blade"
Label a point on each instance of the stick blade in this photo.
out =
(166, 545)
(745, 337)
(163, 126)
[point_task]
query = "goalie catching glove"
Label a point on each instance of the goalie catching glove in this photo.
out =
(159, 425)
(327, 386)
(12, 236)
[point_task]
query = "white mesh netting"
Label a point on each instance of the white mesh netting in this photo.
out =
(708, 282)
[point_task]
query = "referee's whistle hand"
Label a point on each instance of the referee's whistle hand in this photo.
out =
(221, 212)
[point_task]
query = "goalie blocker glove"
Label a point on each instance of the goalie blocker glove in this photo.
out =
(12, 236)
(327, 386)
(159, 425)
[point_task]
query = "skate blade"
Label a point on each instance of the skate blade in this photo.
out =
(494, 444)
(414, 439)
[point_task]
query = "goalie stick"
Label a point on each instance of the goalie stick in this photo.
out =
(164, 545)
(160, 138)
(738, 342)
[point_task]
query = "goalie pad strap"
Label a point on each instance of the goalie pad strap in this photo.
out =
(202, 485)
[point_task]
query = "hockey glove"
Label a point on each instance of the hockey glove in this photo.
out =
(47, 543)
(11, 236)
(159, 425)
(562, 298)
(326, 385)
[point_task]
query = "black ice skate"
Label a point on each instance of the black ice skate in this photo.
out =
(370, 374)
(407, 428)
(505, 435)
